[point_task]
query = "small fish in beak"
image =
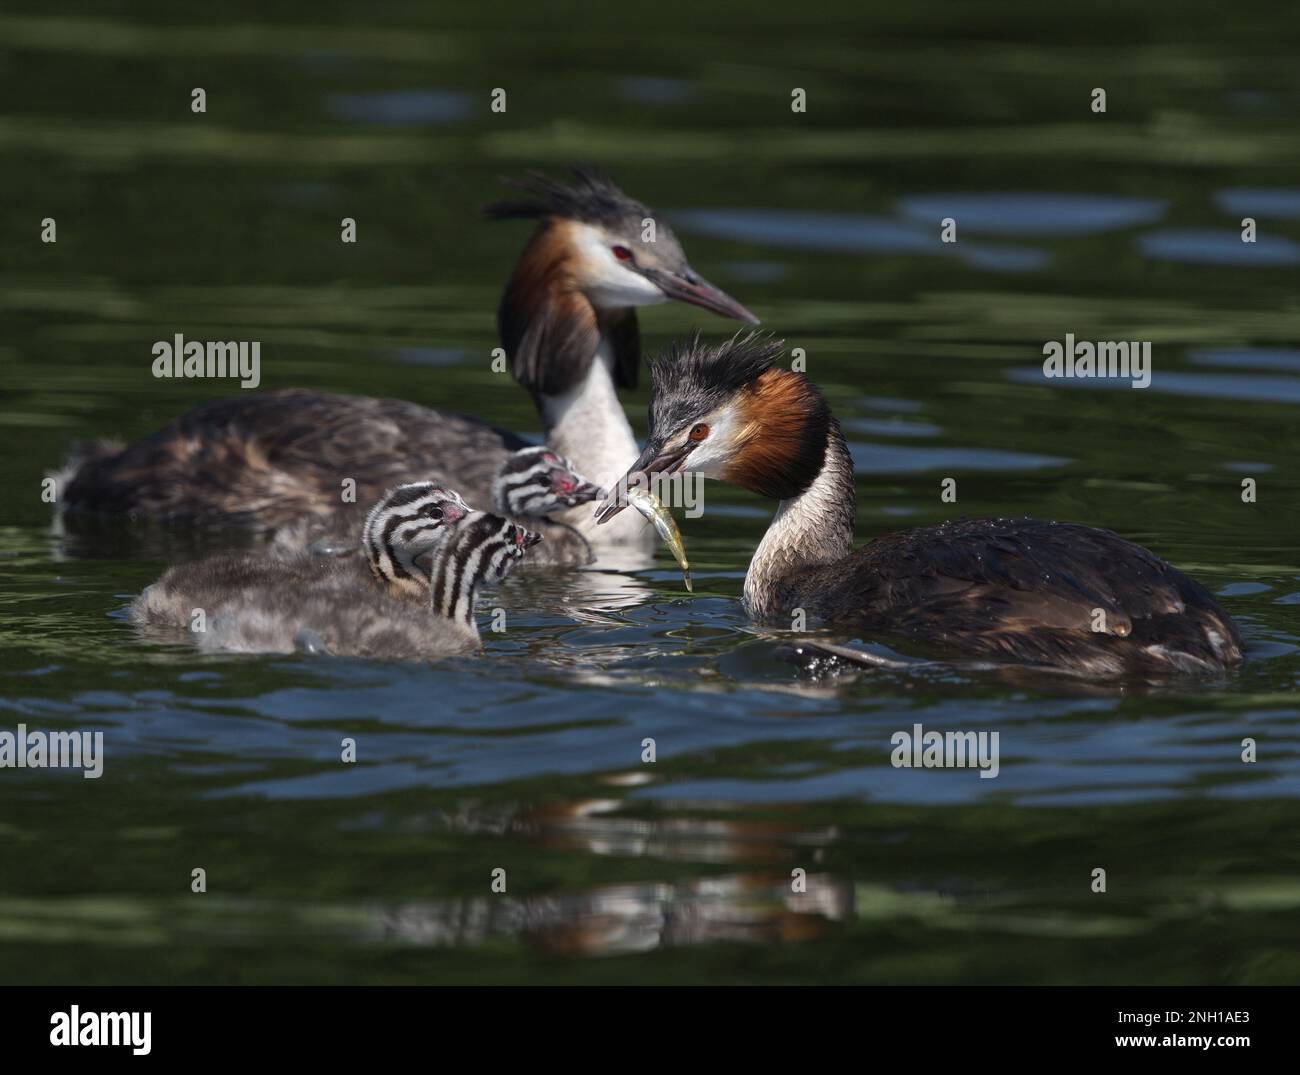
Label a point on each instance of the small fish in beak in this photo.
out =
(636, 491)
(653, 460)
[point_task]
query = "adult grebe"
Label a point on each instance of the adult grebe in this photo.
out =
(1058, 595)
(419, 540)
(266, 461)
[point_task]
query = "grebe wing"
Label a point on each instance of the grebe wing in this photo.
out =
(266, 459)
(1032, 590)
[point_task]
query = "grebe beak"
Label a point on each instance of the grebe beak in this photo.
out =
(689, 286)
(654, 460)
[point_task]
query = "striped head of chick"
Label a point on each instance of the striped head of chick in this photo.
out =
(730, 412)
(480, 548)
(534, 482)
(404, 531)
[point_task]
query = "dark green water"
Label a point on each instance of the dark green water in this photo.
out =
(1112, 227)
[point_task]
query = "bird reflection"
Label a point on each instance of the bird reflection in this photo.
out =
(784, 899)
(620, 919)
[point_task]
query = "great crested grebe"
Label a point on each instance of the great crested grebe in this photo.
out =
(1055, 595)
(266, 461)
(420, 540)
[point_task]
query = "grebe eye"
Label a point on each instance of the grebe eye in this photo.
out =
(699, 431)
(433, 511)
(622, 253)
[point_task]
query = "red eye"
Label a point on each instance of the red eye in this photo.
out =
(699, 431)
(622, 253)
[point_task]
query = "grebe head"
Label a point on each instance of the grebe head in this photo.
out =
(538, 481)
(480, 547)
(730, 412)
(589, 264)
(615, 251)
(404, 528)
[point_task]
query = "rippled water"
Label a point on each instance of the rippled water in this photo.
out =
(528, 758)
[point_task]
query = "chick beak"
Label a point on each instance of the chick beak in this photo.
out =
(584, 493)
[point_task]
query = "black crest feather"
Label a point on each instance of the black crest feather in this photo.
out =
(591, 197)
(692, 369)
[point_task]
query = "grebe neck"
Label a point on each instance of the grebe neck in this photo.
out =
(588, 425)
(456, 578)
(814, 528)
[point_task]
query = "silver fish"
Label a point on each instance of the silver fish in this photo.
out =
(653, 509)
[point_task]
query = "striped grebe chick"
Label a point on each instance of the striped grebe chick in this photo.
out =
(532, 485)
(1055, 595)
(419, 541)
(266, 461)
(538, 487)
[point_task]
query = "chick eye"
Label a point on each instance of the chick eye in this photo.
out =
(699, 431)
(433, 511)
(622, 253)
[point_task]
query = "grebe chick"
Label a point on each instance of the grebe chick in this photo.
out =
(417, 540)
(264, 461)
(532, 484)
(1058, 595)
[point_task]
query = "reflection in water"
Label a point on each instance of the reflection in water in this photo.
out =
(914, 459)
(1249, 358)
(401, 108)
(1206, 247)
(1032, 213)
(1277, 202)
(647, 90)
(852, 233)
(626, 918)
(594, 826)
(1239, 386)
(752, 907)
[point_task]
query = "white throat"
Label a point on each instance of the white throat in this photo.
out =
(588, 425)
(813, 528)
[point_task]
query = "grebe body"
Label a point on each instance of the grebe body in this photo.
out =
(1055, 595)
